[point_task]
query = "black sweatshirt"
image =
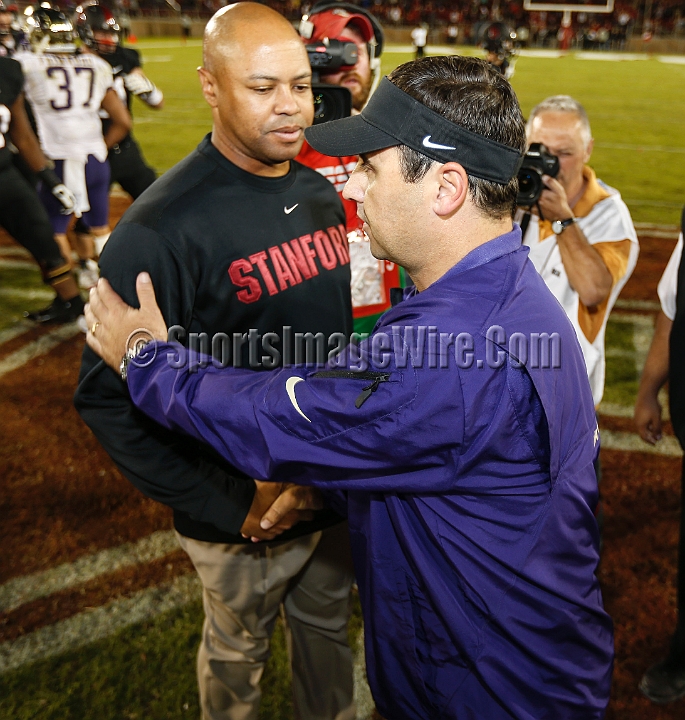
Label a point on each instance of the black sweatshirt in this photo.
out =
(11, 86)
(228, 252)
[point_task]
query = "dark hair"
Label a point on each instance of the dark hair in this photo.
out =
(471, 93)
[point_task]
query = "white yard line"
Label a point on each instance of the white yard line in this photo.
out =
(632, 442)
(92, 625)
(613, 352)
(671, 59)
(156, 58)
(637, 305)
(38, 347)
(20, 590)
(642, 339)
(27, 294)
(671, 235)
(656, 203)
(169, 44)
(19, 329)
(14, 252)
(610, 56)
(95, 624)
(646, 148)
(646, 321)
(540, 53)
(644, 228)
(18, 265)
(607, 409)
(362, 693)
(661, 232)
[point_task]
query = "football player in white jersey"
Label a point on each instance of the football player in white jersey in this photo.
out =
(100, 33)
(66, 90)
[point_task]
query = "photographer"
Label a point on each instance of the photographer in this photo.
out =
(347, 23)
(580, 233)
(371, 279)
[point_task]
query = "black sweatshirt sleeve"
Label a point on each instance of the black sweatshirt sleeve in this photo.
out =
(163, 465)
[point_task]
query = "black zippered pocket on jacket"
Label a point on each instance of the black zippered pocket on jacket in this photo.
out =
(376, 377)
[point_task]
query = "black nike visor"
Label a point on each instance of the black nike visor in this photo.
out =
(392, 117)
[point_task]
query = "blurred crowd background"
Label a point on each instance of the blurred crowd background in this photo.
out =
(632, 24)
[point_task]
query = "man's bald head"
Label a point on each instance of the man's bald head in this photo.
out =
(258, 82)
(242, 26)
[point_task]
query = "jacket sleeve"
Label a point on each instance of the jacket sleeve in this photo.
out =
(325, 428)
(163, 465)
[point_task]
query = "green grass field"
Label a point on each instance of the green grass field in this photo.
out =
(635, 108)
(147, 672)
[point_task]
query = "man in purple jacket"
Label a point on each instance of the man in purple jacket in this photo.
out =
(459, 438)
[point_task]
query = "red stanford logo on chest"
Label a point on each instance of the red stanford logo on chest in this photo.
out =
(291, 263)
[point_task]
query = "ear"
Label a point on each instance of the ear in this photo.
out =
(452, 189)
(208, 84)
(588, 150)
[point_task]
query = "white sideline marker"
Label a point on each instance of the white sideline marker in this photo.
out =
(20, 590)
(38, 347)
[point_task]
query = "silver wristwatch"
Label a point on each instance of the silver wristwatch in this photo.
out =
(137, 340)
(558, 226)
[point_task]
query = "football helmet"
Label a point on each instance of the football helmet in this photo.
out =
(91, 18)
(49, 30)
(498, 38)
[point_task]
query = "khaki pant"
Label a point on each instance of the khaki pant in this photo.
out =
(244, 586)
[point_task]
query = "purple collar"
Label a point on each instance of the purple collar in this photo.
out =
(485, 253)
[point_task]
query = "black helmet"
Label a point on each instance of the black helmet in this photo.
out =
(497, 37)
(93, 18)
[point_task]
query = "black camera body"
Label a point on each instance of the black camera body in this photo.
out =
(331, 102)
(538, 161)
(331, 55)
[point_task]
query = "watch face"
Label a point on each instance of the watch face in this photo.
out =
(558, 226)
(140, 344)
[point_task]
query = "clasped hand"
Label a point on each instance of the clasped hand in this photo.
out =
(276, 507)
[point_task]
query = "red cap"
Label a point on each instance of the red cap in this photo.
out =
(331, 23)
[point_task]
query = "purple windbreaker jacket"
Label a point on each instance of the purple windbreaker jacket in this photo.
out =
(460, 438)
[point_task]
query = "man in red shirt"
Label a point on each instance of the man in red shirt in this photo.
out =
(371, 278)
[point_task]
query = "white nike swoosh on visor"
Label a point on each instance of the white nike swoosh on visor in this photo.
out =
(288, 210)
(290, 389)
(436, 146)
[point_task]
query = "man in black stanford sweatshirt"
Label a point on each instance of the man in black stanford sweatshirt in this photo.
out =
(246, 245)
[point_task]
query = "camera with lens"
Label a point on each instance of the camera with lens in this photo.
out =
(331, 102)
(538, 161)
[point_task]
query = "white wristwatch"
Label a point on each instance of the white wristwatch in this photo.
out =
(558, 226)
